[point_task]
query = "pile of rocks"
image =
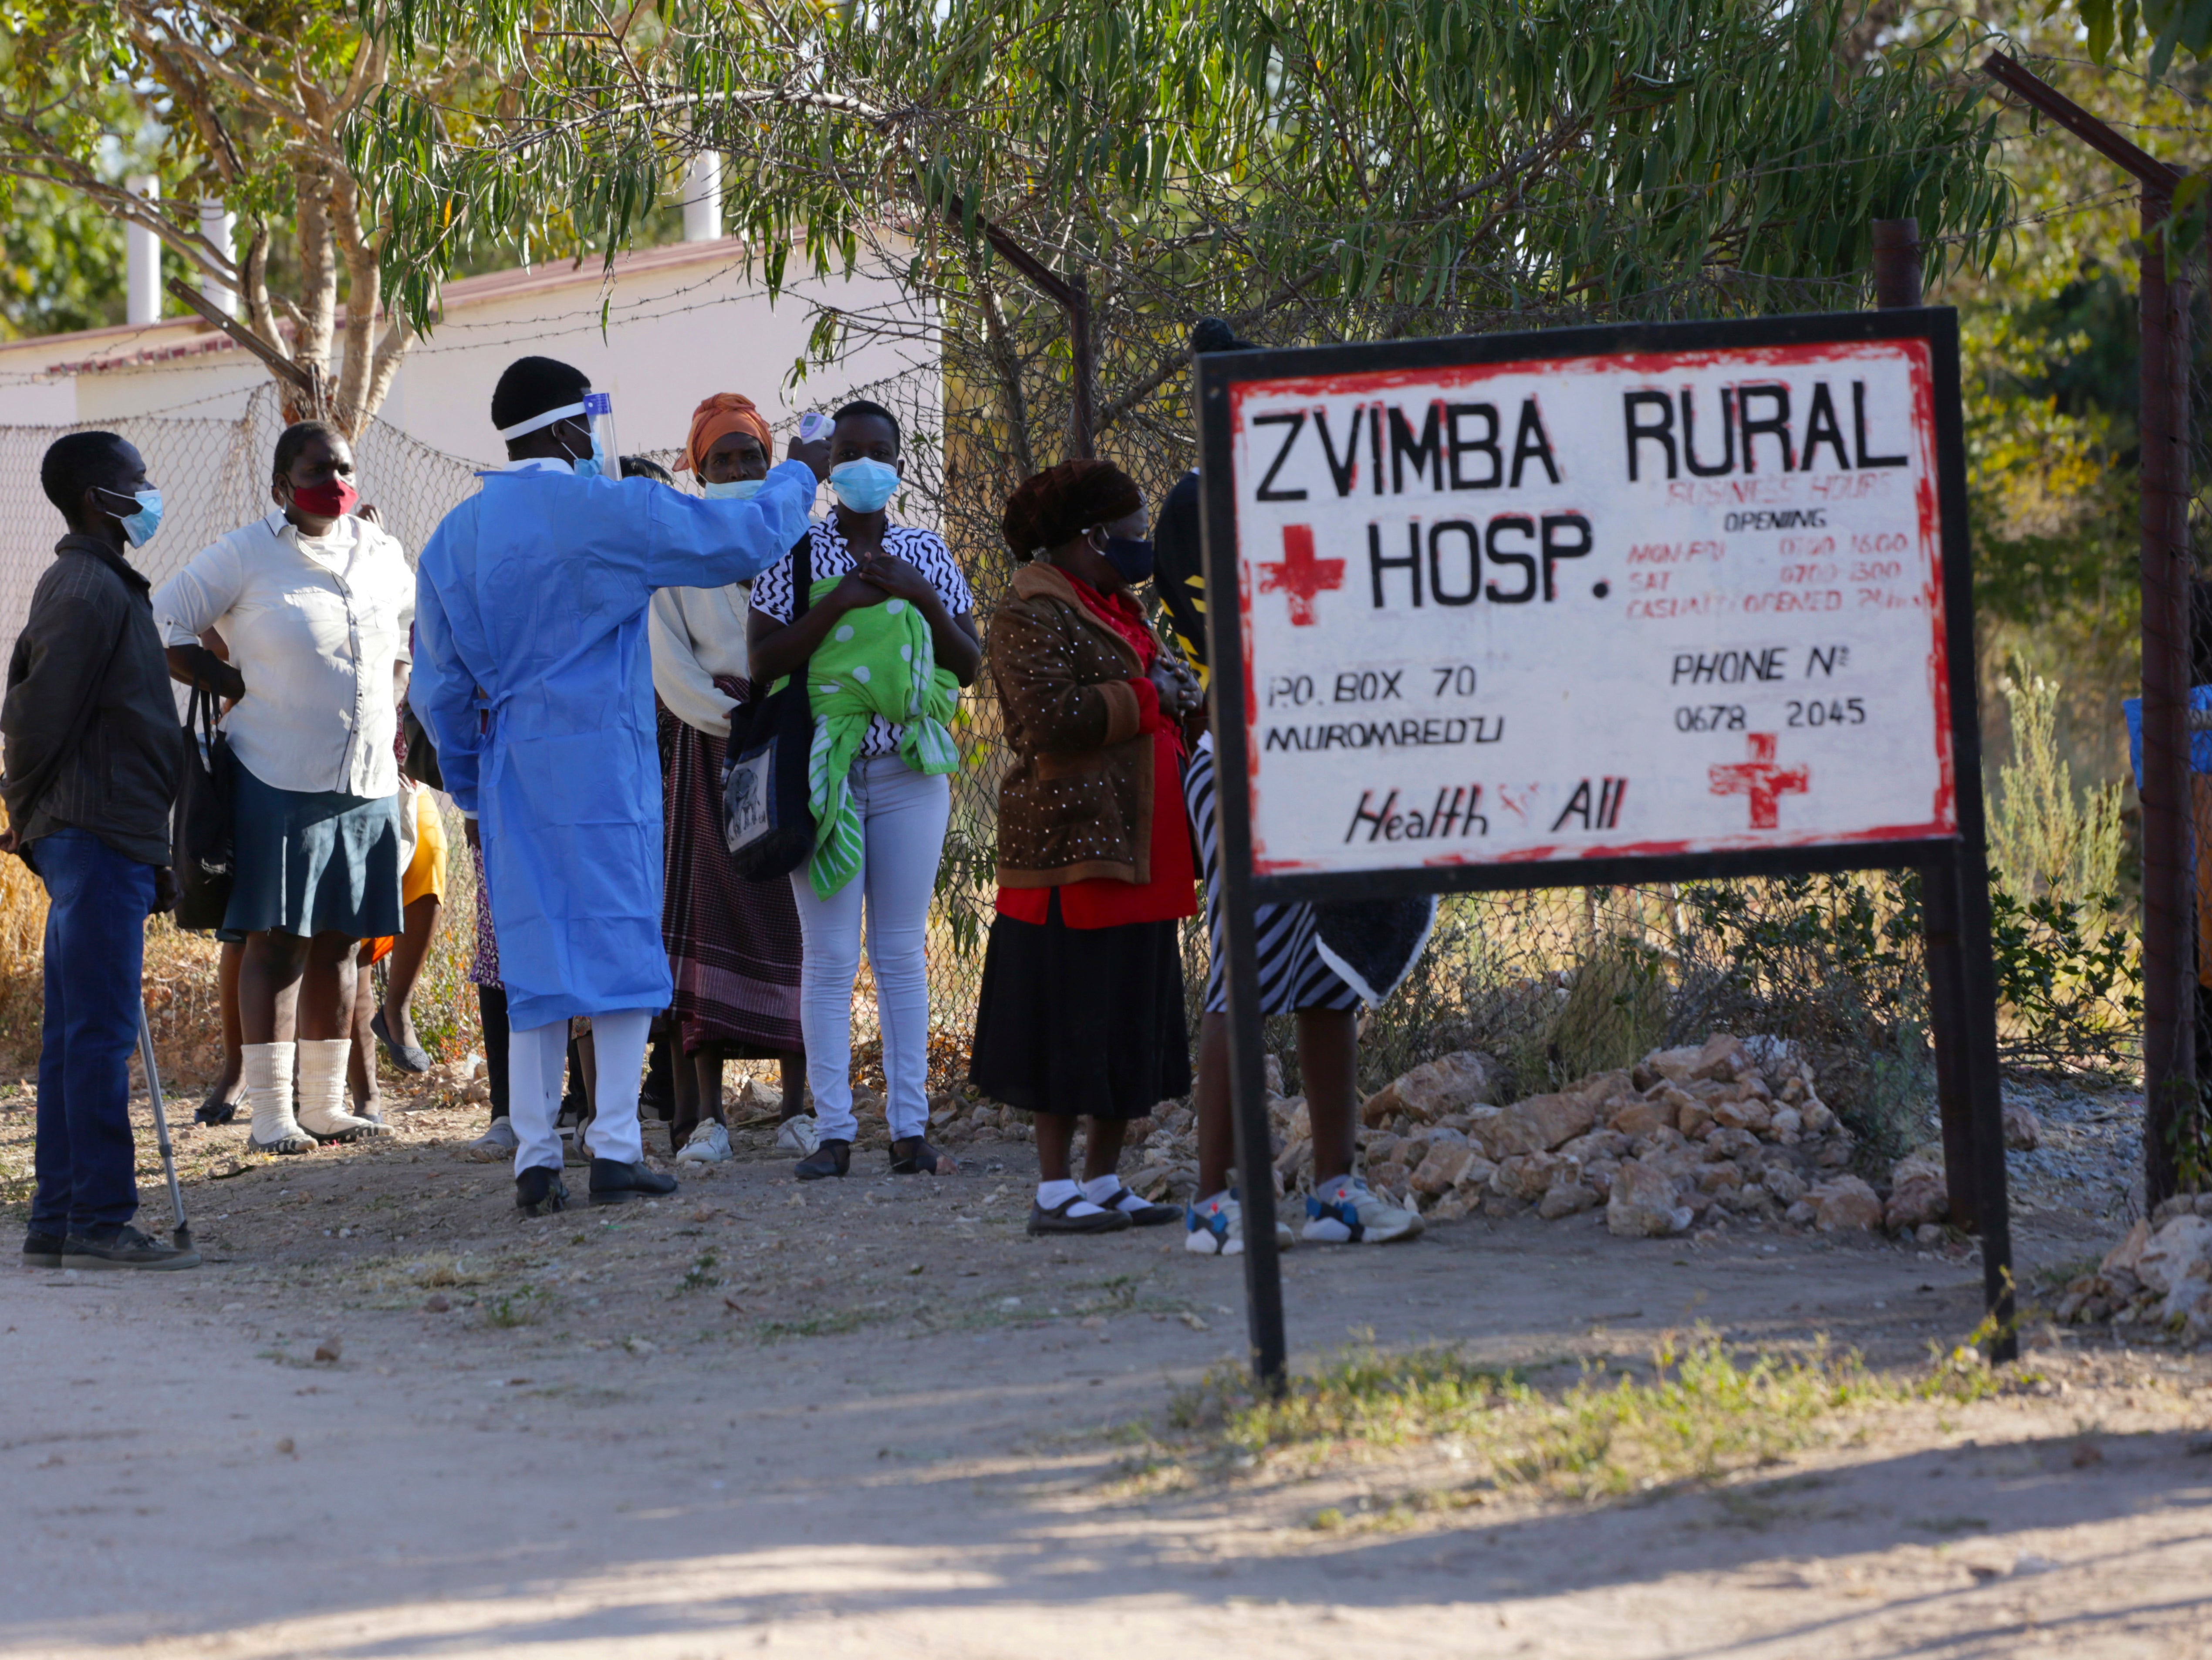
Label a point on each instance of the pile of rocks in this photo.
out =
(1732, 1125)
(449, 1084)
(2159, 1275)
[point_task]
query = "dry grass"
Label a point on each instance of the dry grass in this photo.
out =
(181, 987)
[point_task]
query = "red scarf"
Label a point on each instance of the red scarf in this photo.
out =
(1119, 613)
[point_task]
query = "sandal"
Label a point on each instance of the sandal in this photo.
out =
(216, 1110)
(297, 1140)
(913, 1156)
(1141, 1212)
(408, 1057)
(1057, 1219)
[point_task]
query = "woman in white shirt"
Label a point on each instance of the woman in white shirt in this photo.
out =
(734, 947)
(315, 604)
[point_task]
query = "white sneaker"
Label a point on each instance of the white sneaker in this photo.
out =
(1347, 1211)
(798, 1134)
(496, 1145)
(1215, 1227)
(709, 1145)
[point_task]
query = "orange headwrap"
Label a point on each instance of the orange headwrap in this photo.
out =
(724, 413)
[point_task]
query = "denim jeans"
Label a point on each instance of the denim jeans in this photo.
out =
(95, 948)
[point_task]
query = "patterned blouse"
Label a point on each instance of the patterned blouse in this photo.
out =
(826, 550)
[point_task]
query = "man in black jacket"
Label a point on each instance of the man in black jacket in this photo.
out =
(94, 750)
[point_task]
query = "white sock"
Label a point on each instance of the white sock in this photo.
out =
(1099, 1189)
(322, 1086)
(266, 1069)
(1214, 1201)
(1053, 1195)
(1333, 1188)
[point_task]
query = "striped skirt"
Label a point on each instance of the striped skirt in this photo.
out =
(733, 946)
(1293, 975)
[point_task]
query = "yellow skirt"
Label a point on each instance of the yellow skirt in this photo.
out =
(425, 875)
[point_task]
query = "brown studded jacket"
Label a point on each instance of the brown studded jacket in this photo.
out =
(1077, 801)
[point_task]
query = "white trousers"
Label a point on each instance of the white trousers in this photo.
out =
(535, 1060)
(903, 814)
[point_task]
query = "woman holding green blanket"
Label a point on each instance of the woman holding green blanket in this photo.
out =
(885, 641)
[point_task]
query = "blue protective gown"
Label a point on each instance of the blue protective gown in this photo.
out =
(530, 608)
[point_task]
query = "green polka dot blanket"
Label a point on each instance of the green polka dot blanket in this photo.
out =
(878, 660)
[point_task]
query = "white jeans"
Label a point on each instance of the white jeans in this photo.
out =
(535, 1060)
(903, 814)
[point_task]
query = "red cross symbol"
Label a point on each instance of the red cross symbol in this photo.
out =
(1761, 779)
(1301, 575)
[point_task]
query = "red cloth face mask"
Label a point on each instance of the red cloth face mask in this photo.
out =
(332, 500)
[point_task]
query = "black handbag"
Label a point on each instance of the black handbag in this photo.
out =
(766, 825)
(204, 845)
(422, 762)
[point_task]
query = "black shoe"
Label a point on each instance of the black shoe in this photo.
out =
(214, 1110)
(913, 1156)
(43, 1250)
(831, 1158)
(1057, 1220)
(125, 1249)
(411, 1057)
(1141, 1214)
(540, 1191)
(614, 1182)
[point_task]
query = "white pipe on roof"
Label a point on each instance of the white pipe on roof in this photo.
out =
(702, 198)
(216, 222)
(142, 257)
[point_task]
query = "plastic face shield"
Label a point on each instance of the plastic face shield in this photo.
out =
(598, 410)
(599, 416)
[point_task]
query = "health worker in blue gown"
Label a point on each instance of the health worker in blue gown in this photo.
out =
(533, 675)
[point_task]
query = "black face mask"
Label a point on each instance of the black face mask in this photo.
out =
(1132, 558)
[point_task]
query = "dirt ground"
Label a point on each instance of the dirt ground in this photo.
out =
(874, 1418)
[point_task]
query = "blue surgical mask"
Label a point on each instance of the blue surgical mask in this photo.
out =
(735, 489)
(865, 486)
(593, 465)
(139, 527)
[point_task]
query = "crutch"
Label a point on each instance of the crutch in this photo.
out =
(181, 1236)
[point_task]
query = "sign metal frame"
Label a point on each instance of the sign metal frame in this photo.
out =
(1954, 869)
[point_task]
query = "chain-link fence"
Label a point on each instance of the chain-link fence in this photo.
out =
(1556, 984)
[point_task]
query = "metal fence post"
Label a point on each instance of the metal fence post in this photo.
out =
(1897, 288)
(2170, 1087)
(2168, 883)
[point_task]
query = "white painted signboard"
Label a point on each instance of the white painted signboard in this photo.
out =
(1643, 603)
(1636, 603)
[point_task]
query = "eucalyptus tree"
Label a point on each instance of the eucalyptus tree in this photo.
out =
(1312, 169)
(247, 102)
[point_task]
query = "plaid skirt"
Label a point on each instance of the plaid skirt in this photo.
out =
(733, 946)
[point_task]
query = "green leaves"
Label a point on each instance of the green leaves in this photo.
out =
(1314, 169)
(2172, 26)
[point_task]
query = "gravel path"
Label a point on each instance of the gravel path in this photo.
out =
(873, 1417)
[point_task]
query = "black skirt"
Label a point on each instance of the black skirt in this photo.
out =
(1081, 1020)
